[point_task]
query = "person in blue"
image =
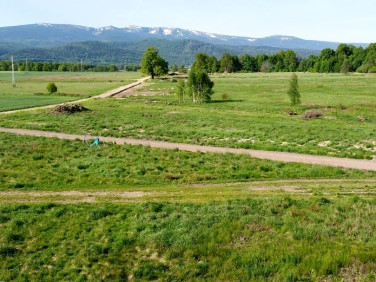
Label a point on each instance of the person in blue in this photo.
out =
(95, 142)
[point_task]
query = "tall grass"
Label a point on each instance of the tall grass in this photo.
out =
(274, 238)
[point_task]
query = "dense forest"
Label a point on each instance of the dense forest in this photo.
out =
(106, 53)
(65, 67)
(346, 58)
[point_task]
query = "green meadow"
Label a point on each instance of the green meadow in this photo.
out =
(254, 116)
(30, 90)
(74, 212)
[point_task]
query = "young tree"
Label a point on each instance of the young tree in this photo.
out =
(293, 91)
(153, 64)
(180, 90)
(345, 67)
(200, 86)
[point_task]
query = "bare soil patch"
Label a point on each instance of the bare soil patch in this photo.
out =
(134, 91)
(68, 197)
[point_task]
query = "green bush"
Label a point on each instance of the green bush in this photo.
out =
(224, 96)
(51, 88)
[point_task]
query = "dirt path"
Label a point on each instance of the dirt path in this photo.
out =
(107, 94)
(268, 155)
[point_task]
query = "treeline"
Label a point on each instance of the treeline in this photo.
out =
(346, 58)
(63, 67)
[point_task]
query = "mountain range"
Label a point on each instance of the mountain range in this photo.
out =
(110, 44)
(48, 35)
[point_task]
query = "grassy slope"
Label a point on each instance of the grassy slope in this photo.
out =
(254, 117)
(31, 87)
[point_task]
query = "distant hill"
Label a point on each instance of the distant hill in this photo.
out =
(95, 52)
(49, 35)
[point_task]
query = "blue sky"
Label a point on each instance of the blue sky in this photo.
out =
(331, 20)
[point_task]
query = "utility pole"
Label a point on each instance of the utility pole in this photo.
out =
(26, 68)
(13, 77)
(81, 65)
(125, 65)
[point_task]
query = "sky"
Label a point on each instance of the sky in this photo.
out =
(329, 20)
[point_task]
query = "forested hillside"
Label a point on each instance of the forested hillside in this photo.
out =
(94, 52)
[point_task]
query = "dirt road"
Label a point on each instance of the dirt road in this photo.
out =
(107, 94)
(268, 155)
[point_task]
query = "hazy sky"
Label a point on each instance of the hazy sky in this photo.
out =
(332, 20)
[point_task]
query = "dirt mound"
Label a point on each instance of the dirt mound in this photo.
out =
(68, 108)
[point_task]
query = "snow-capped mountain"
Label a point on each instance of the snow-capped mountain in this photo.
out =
(47, 35)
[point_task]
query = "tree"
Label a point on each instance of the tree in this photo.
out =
(201, 63)
(200, 86)
(153, 64)
(293, 91)
(290, 60)
(249, 64)
(51, 87)
(345, 67)
(229, 63)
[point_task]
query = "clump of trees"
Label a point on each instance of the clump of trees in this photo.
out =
(153, 64)
(199, 85)
(181, 69)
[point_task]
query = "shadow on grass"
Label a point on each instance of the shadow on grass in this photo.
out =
(225, 101)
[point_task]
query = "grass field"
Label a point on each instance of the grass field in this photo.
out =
(69, 211)
(261, 237)
(31, 87)
(254, 117)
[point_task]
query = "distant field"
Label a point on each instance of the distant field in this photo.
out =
(253, 117)
(31, 87)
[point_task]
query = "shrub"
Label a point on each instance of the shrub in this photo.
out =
(51, 88)
(312, 114)
(224, 96)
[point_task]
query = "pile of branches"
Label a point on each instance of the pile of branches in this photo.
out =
(68, 108)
